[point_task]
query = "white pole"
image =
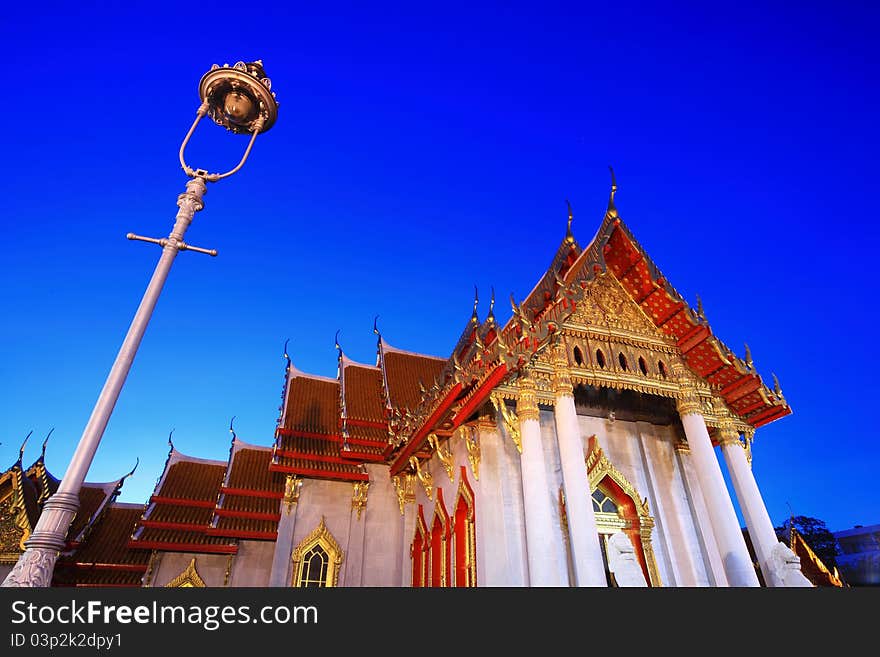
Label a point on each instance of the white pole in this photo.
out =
(36, 565)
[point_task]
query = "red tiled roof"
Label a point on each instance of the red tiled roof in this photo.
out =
(312, 406)
(104, 558)
(250, 499)
(404, 371)
(91, 497)
(181, 510)
(363, 393)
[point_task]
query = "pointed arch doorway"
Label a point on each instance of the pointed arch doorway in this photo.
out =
(618, 508)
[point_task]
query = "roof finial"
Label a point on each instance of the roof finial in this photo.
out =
(612, 211)
(777, 389)
(474, 317)
(568, 236)
(700, 311)
(231, 430)
(170, 444)
(286, 354)
(21, 451)
(375, 326)
(336, 340)
(45, 440)
(491, 316)
(136, 463)
(749, 362)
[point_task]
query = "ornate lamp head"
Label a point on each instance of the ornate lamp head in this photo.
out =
(238, 95)
(240, 98)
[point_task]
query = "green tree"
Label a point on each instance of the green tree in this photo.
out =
(815, 533)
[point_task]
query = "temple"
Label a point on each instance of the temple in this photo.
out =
(577, 444)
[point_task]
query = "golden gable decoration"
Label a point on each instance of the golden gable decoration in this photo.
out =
(189, 578)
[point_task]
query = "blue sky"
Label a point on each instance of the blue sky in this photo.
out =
(418, 153)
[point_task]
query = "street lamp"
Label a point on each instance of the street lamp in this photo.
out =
(239, 98)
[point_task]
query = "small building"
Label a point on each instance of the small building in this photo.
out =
(859, 555)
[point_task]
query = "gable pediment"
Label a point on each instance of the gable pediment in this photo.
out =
(607, 305)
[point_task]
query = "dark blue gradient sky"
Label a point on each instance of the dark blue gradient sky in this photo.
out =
(418, 153)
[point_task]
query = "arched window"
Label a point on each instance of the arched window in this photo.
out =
(643, 366)
(578, 356)
(600, 358)
(419, 551)
(465, 535)
(622, 360)
(316, 559)
(662, 368)
(441, 555)
(314, 568)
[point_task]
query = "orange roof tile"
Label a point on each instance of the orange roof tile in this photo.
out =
(250, 499)
(181, 510)
(104, 558)
(404, 371)
(312, 406)
(363, 393)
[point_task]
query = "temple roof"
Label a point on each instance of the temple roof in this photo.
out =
(27, 490)
(249, 497)
(181, 508)
(734, 378)
(476, 366)
(404, 370)
(105, 559)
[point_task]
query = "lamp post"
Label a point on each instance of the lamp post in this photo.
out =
(240, 99)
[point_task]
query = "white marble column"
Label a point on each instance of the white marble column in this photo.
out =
(711, 556)
(750, 501)
(281, 575)
(586, 552)
(543, 569)
(725, 524)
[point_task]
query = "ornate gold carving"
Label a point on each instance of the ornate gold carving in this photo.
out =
(562, 385)
(598, 468)
(12, 536)
(188, 578)
(359, 497)
(749, 437)
(465, 493)
(527, 404)
(606, 303)
(727, 435)
(322, 537)
(424, 477)
(687, 401)
(405, 487)
(563, 515)
(510, 419)
(292, 487)
(441, 516)
(444, 455)
(228, 570)
(472, 442)
(151, 567)
(15, 526)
